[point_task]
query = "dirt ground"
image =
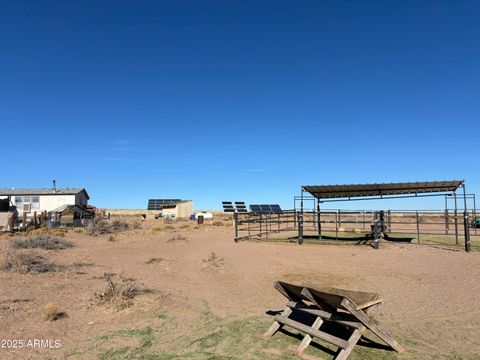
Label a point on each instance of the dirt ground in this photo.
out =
(204, 306)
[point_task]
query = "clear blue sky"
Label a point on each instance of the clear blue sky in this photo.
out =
(245, 100)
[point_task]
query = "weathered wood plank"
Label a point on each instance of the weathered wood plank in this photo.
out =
(372, 325)
(276, 325)
(307, 338)
(315, 333)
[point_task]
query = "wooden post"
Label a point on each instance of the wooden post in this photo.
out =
(418, 226)
(24, 221)
(336, 225)
(35, 220)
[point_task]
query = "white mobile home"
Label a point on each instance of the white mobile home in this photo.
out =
(30, 200)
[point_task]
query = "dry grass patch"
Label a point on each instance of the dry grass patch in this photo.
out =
(46, 242)
(26, 261)
(214, 261)
(176, 238)
(46, 231)
(118, 292)
(103, 227)
(51, 312)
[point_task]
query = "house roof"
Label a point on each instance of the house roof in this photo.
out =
(42, 191)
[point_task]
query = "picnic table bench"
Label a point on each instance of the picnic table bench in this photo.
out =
(353, 310)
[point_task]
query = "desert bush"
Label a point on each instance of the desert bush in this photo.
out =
(83, 263)
(111, 238)
(102, 227)
(214, 260)
(79, 230)
(154, 260)
(26, 262)
(218, 223)
(51, 312)
(118, 292)
(169, 227)
(46, 242)
(177, 238)
(136, 225)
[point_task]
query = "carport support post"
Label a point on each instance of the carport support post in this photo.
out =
(465, 220)
(235, 216)
(300, 220)
(455, 217)
(418, 226)
(319, 220)
(446, 216)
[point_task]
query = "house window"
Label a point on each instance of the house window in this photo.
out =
(18, 202)
(27, 203)
(35, 202)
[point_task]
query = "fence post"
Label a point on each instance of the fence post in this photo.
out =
(235, 223)
(418, 226)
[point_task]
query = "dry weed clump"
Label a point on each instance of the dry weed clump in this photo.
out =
(218, 223)
(51, 312)
(136, 225)
(155, 260)
(103, 227)
(26, 261)
(46, 231)
(46, 242)
(214, 261)
(118, 293)
(178, 237)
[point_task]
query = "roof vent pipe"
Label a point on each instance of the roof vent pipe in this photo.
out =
(54, 186)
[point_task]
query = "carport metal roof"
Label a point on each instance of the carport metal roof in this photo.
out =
(381, 190)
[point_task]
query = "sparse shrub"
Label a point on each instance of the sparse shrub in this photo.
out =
(214, 260)
(154, 260)
(79, 230)
(218, 223)
(26, 262)
(119, 226)
(136, 225)
(169, 227)
(111, 238)
(83, 263)
(102, 227)
(118, 292)
(51, 312)
(156, 228)
(177, 238)
(46, 242)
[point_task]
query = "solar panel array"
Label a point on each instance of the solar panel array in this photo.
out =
(241, 207)
(159, 204)
(266, 209)
(227, 206)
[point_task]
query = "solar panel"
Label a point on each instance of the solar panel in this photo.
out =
(240, 206)
(255, 208)
(159, 204)
(266, 209)
(276, 209)
(227, 206)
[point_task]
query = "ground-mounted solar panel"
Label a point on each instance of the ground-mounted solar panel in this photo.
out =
(255, 209)
(241, 207)
(276, 209)
(266, 209)
(159, 204)
(227, 206)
